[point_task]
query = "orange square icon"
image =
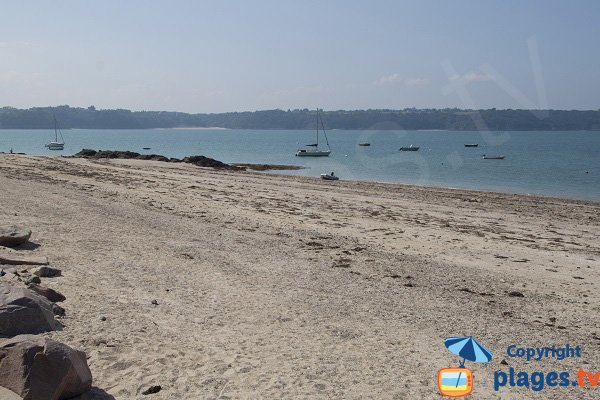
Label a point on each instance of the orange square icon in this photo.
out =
(455, 382)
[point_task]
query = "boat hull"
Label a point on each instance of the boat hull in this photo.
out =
(55, 146)
(409, 148)
(317, 153)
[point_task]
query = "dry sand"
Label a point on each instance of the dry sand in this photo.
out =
(288, 287)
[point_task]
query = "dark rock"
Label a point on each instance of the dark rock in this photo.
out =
(38, 368)
(13, 235)
(154, 302)
(85, 153)
(24, 311)
(33, 280)
(152, 390)
(116, 154)
(48, 293)
(153, 157)
(47, 272)
(202, 161)
(58, 310)
(102, 318)
(516, 294)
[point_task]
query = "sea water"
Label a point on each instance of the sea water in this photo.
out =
(563, 164)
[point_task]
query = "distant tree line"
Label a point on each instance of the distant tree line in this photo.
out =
(380, 119)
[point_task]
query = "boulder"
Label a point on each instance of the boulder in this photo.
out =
(38, 368)
(47, 272)
(58, 310)
(50, 294)
(24, 311)
(13, 235)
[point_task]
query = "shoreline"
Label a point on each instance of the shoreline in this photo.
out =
(456, 189)
(277, 168)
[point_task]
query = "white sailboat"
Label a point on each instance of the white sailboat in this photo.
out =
(312, 150)
(55, 144)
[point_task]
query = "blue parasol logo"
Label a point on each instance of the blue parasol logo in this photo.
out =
(468, 348)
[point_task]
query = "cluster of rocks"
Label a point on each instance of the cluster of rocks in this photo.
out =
(32, 366)
(199, 161)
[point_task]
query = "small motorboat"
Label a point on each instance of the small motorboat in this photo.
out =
(146, 148)
(492, 157)
(472, 145)
(409, 148)
(329, 177)
(365, 144)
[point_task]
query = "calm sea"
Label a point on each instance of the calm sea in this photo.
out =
(564, 164)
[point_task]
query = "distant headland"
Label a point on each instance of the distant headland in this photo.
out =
(372, 119)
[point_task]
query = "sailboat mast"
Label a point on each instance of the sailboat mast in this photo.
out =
(317, 127)
(55, 130)
(324, 134)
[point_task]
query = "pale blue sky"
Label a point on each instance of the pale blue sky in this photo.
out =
(214, 56)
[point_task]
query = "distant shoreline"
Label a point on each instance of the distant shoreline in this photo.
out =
(216, 128)
(371, 119)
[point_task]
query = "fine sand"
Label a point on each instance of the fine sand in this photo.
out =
(280, 287)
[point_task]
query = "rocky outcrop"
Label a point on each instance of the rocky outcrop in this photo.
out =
(24, 311)
(200, 161)
(12, 235)
(38, 368)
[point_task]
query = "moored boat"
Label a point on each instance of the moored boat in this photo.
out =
(312, 150)
(486, 157)
(472, 145)
(56, 144)
(409, 148)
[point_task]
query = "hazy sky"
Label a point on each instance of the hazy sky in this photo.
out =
(214, 56)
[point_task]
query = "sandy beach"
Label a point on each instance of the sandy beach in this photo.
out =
(269, 286)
